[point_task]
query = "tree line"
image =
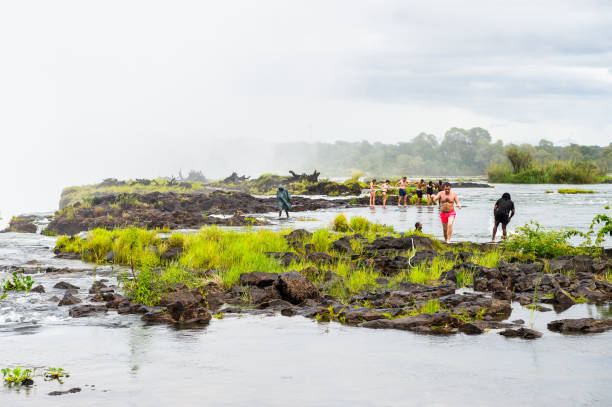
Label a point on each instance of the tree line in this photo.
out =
(460, 152)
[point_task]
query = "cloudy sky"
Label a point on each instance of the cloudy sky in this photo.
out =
(90, 90)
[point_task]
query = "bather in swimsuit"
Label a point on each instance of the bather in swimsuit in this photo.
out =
(445, 215)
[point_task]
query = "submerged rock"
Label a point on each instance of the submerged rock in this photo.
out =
(86, 310)
(69, 299)
(523, 333)
(413, 323)
(38, 289)
(59, 393)
(62, 285)
(580, 326)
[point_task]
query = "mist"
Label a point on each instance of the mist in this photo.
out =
(147, 88)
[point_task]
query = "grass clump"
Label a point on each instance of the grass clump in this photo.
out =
(575, 191)
(340, 223)
(533, 239)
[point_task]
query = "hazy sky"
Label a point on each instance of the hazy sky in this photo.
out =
(90, 90)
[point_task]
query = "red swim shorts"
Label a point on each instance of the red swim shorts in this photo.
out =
(445, 215)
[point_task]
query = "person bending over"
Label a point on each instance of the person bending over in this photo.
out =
(503, 211)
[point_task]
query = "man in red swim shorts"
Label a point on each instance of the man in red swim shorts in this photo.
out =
(448, 200)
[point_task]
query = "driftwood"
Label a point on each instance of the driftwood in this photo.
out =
(234, 178)
(314, 177)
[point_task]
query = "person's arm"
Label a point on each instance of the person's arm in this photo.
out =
(457, 201)
(436, 197)
(494, 209)
(512, 214)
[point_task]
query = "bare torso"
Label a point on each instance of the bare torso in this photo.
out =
(447, 201)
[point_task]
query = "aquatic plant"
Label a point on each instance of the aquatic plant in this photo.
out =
(607, 207)
(575, 191)
(55, 373)
(48, 232)
(18, 375)
(18, 282)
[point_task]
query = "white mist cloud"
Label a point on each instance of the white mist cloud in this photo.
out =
(90, 90)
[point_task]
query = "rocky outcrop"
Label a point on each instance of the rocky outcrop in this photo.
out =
(523, 333)
(22, 224)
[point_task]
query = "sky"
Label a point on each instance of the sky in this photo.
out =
(125, 89)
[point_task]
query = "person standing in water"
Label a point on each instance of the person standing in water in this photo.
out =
(448, 200)
(284, 201)
(385, 187)
(373, 193)
(402, 191)
(430, 193)
(503, 211)
(440, 188)
(419, 190)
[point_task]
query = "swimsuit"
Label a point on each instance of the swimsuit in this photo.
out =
(429, 190)
(419, 193)
(402, 192)
(445, 215)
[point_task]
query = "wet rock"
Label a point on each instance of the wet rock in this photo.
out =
(69, 299)
(188, 314)
(518, 321)
(86, 310)
(96, 287)
(503, 295)
(258, 278)
(183, 295)
(343, 245)
(400, 243)
(288, 312)
(523, 333)
(67, 255)
(110, 256)
(471, 329)
(355, 316)
(580, 326)
(259, 295)
(157, 316)
(295, 288)
(423, 256)
(22, 224)
(413, 322)
(54, 299)
(563, 298)
(27, 382)
(59, 393)
(62, 285)
(171, 253)
(38, 289)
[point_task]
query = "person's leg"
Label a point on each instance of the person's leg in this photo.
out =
(449, 228)
(287, 212)
(504, 235)
(494, 231)
(385, 201)
(444, 229)
(280, 213)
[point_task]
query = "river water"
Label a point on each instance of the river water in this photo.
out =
(278, 361)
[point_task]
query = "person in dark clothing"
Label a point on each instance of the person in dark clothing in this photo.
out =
(283, 198)
(503, 211)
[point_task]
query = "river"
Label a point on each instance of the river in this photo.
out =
(278, 361)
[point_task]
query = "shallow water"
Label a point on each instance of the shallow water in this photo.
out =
(475, 221)
(246, 361)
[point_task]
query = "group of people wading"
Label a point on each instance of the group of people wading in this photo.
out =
(503, 210)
